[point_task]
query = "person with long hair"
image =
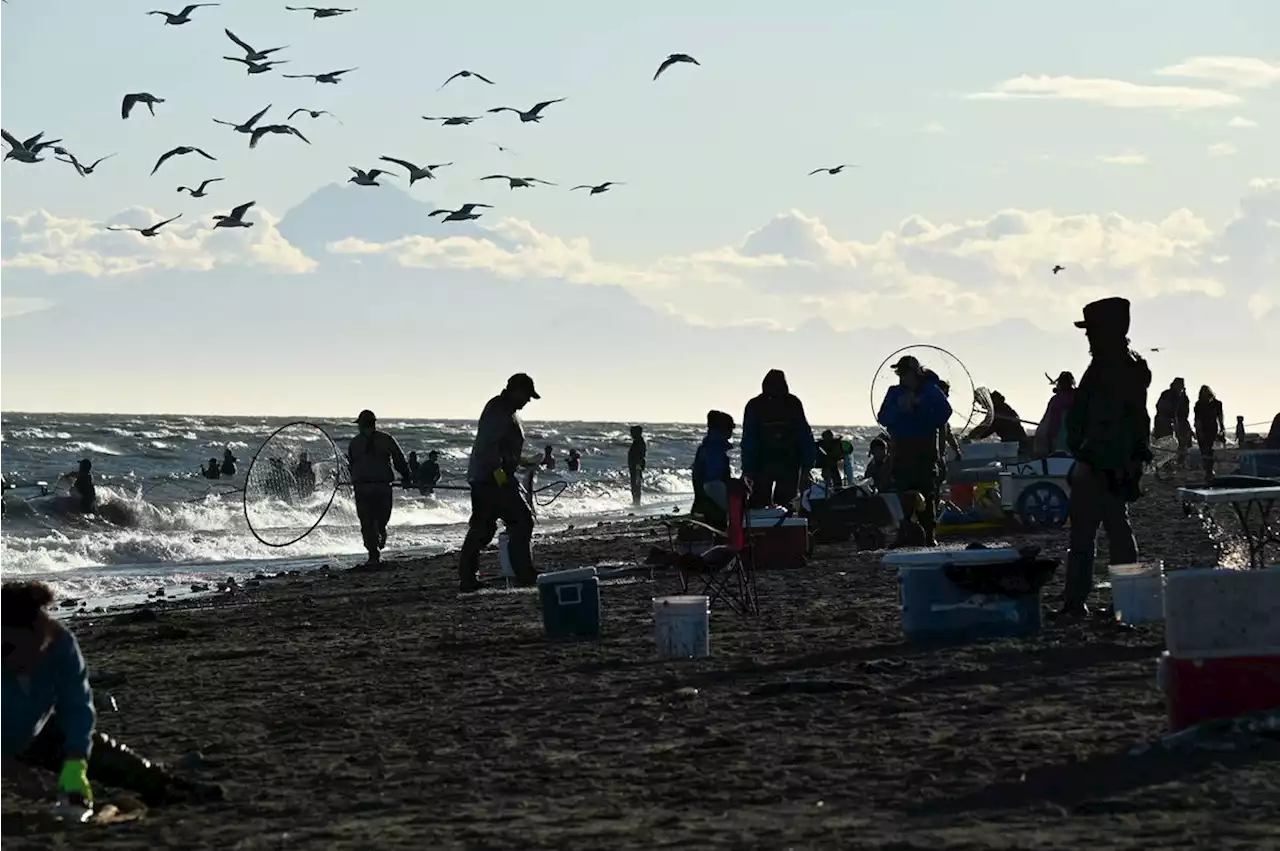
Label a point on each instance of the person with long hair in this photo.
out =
(1210, 428)
(49, 720)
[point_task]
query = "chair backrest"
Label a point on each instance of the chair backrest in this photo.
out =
(736, 533)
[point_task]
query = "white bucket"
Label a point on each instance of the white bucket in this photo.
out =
(682, 627)
(504, 555)
(1137, 592)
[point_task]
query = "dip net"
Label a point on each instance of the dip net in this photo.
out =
(291, 483)
(970, 405)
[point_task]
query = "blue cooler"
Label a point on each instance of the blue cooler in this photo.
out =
(570, 603)
(933, 606)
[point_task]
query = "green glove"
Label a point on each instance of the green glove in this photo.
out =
(74, 779)
(500, 476)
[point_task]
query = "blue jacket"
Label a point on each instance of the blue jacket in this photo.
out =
(60, 684)
(711, 461)
(931, 412)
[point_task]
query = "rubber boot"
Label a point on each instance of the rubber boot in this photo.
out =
(114, 764)
(1079, 584)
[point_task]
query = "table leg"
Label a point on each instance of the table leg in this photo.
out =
(1256, 541)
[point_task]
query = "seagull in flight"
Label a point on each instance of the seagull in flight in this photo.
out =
(453, 120)
(85, 170)
(235, 219)
(603, 187)
(518, 182)
(199, 192)
(126, 106)
(502, 148)
(834, 170)
(314, 113)
(279, 129)
(462, 214)
(327, 77)
(533, 114)
(1057, 269)
(183, 17)
(26, 152)
(246, 127)
(154, 230)
(367, 178)
(320, 11)
(672, 60)
(465, 74)
(249, 52)
(252, 67)
(179, 151)
(416, 173)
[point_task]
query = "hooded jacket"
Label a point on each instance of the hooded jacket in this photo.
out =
(711, 461)
(931, 412)
(1108, 426)
(775, 431)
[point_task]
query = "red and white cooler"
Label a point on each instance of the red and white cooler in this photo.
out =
(778, 541)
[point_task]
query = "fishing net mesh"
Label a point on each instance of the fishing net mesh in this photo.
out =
(966, 408)
(291, 483)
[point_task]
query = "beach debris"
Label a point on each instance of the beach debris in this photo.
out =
(159, 592)
(70, 602)
(685, 693)
(198, 587)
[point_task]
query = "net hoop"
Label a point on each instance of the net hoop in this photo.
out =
(337, 483)
(875, 404)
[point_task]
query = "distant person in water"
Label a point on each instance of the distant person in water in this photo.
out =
(213, 470)
(777, 446)
(429, 474)
(1210, 428)
(49, 717)
(305, 475)
(415, 468)
(549, 458)
(495, 490)
(84, 488)
(637, 460)
(711, 471)
(574, 464)
(375, 459)
(228, 463)
(1240, 432)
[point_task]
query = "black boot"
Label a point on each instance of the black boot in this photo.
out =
(1079, 585)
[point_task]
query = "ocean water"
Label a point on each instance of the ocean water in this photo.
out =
(163, 524)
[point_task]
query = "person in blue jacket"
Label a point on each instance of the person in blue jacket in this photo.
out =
(49, 719)
(913, 411)
(777, 443)
(711, 470)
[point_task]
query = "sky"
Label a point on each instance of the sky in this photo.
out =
(1134, 143)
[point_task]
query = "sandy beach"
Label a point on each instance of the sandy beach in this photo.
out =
(351, 710)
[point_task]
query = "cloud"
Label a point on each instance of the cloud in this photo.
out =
(11, 306)
(934, 127)
(1107, 92)
(1125, 159)
(1222, 149)
(1242, 123)
(1244, 72)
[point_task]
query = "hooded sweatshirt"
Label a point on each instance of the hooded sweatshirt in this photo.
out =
(1108, 426)
(775, 431)
(931, 412)
(711, 461)
(60, 684)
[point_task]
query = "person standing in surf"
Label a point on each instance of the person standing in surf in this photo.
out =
(495, 488)
(372, 455)
(637, 460)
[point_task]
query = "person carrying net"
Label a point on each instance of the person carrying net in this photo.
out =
(371, 455)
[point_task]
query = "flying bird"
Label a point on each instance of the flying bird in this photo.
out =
(603, 187)
(533, 114)
(518, 182)
(181, 150)
(235, 219)
(833, 170)
(367, 178)
(252, 67)
(504, 149)
(27, 151)
(327, 77)
(278, 129)
(154, 230)
(314, 113)
(150, 100)
(465, 74)
(247, 126)
(85, 170)
(453, 120)
(462, 214)
(674, 59)
(1057, 269)
(416, 173)
(199, 192)
(320, 11)
(249, 52)
(183, 17)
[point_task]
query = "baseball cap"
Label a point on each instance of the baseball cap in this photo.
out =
(906, 362)
(522, 382)
(367, 417)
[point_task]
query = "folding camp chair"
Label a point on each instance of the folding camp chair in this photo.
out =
(725, 571)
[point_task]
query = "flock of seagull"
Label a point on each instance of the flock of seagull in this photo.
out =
(258, 61)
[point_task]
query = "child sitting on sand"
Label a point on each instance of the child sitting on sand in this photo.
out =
(48, 715)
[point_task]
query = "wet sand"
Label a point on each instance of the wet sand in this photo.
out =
(381, 710)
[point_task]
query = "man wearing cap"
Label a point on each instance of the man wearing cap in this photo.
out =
(913, 411)
(495, 491)
(371, 454)
(1051, 434)
(1108, 432)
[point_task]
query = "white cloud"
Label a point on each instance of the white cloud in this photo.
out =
(1260, 304)
(11, 306)
(1117, 93)
(1125, 159)
(1242, 123)
(1222, 149)
(1246, 72)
